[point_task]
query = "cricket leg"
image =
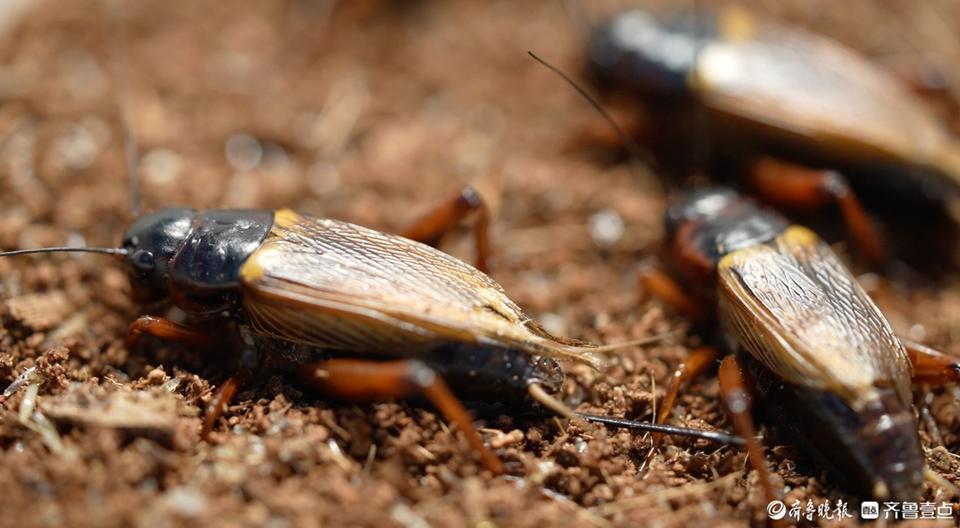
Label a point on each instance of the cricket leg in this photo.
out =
(431, 228)
(373, 380)
(657, 283)
(931, 366)
(172, 331)
(221, 399)
(792, 186)
(698, 361)
(736, 391)
(164, 329)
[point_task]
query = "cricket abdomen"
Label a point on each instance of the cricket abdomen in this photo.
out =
(875, 452)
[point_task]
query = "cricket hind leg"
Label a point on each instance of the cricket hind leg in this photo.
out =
(795, 187)
(432, 227)
(366, 380)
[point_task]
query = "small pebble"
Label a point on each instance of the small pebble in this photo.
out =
(161, 166)
(507, 439)
(606, 228)
(243, 152)
(156, 376)
(185, 501)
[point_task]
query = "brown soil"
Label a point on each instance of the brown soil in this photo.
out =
(368, 112)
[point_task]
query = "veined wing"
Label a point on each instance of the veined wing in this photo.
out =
(337, 285)
(797, 309)
(806, 85)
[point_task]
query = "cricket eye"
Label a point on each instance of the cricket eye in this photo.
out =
(142, 261)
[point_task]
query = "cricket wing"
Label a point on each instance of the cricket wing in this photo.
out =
(797, 309)
(810, 88)
(336, 285)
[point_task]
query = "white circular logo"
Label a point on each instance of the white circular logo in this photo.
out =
(776, 510)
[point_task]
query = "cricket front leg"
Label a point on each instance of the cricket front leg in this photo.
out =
(168, 330)
(164, 329)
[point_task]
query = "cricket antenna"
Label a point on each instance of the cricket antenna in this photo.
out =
(535, 390)
(714, 436)
(636, 151)
(65, 249)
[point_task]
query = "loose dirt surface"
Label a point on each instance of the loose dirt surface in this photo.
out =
(369, 112)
